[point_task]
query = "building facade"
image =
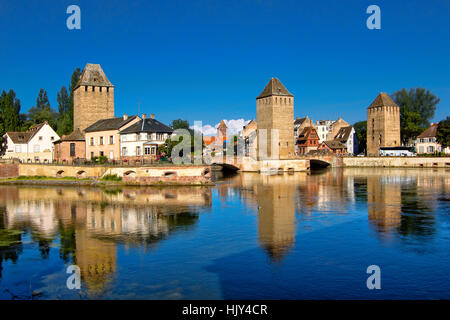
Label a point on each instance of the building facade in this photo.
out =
(103, 137)
(426, 142)
(93, 97)
(70, 147)
(142, 139)
(36, 144)
(333, 146)
(307, 140)
(302, 123)
(348, 137)
(249, 138)
(323, 127)
(275, 122)
(383, 124)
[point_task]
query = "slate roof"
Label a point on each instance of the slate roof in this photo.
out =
(299, 121)
(274, 88)
(343, 134)
(430, 132)
(333, 144)
(93, 75)
(21, 137)
(75, 135)
(383, 99)
(109, 124)
(148, 125)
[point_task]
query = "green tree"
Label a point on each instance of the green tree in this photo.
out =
(65, 120)
(42, 111)
(10, 119)
(443, 133)
(361, 132)
(417, 107)
(73, 82)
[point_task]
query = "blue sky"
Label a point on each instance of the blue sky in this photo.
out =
(208, 60)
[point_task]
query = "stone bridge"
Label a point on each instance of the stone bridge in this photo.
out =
(296, 164)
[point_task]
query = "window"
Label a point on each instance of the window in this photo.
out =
(431, 149)
(124, 151)
(36, 148)
(146, 150)
(160, 136)
(123, 138)
(153, 150)
(40, 137)
(85, 88)
(101, 141)
(100, 89)
(101, 154)
(52, 138)
(18, 149)
(92, 141)
(111, 139)
(72, 149)
(92, 155)
(107, 89)
(138, 151)
(93, 89)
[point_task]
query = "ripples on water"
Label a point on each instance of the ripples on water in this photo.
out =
(291, 236)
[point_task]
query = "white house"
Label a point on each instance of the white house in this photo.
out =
(323, 127)
(36, 144)
(347, 136)
(142, 139)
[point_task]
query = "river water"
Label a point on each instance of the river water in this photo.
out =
(252, 236)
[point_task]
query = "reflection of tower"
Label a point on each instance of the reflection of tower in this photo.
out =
(384, 203)
(96, 259)
(275, 110)
(383, 124)
(276, 215)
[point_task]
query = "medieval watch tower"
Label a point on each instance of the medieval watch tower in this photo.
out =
(93, 97)
(275, 120)
(383, 124)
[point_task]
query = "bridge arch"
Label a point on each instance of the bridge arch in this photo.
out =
(227, 167)
(318, 164)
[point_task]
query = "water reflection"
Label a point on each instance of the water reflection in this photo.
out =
(90, 223)
(93, 227)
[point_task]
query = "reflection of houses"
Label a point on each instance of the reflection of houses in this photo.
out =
(36, 144)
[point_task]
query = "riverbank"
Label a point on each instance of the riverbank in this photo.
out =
(49, 181)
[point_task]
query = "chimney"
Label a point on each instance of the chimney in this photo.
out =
(144, 116)
(125, 116)
(152, 116)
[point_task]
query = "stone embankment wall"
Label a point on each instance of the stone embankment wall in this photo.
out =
(396, 162)
(141, 174)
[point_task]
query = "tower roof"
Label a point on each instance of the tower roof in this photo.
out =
(93, 75)
(222, 124)
(383, 99)
(274, 88)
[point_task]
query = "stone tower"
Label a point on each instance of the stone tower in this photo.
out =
(93, 97)
(275, 118)
(383, 124)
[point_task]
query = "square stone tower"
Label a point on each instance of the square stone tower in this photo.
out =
(275, 119)
(383, 124)
(93, 97)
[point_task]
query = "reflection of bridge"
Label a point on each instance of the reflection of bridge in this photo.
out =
(296, 164)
